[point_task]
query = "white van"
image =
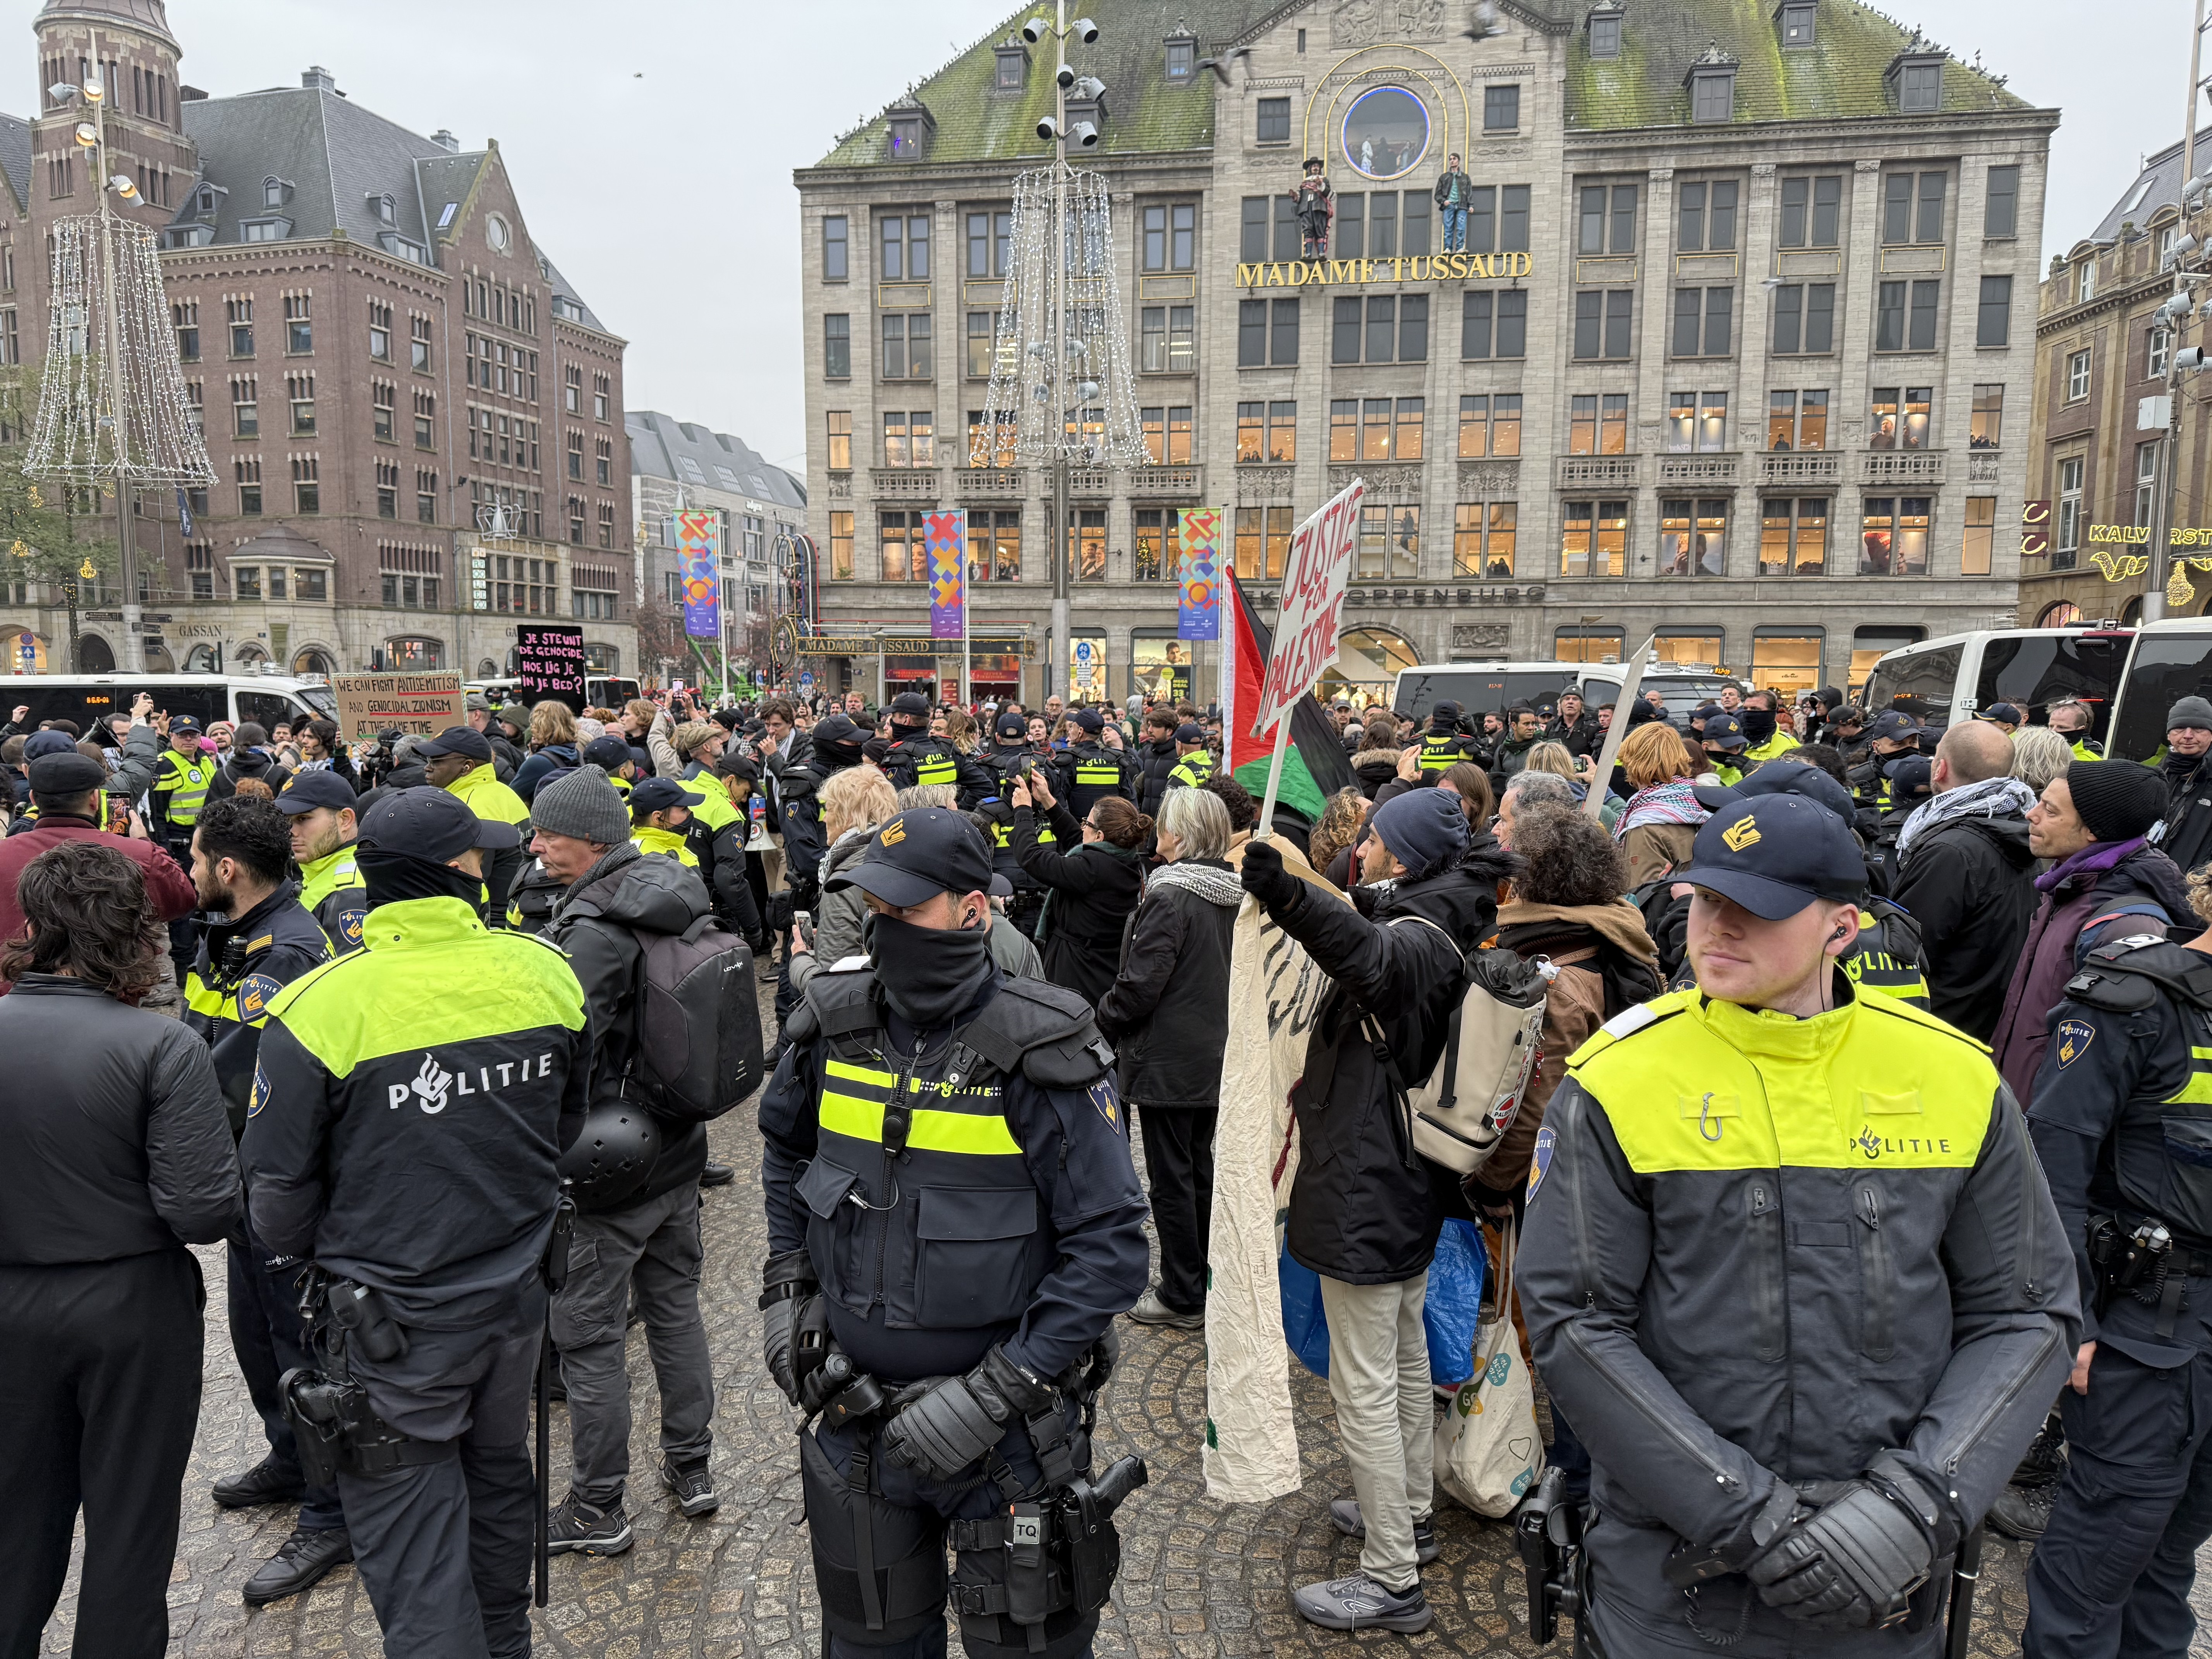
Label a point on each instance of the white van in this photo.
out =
(1490, 688)
(2030, 668)
(2167, 661)
(90, 699)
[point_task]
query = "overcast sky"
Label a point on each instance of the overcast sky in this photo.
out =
(652, 142)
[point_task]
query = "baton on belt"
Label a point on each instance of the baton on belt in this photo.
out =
(1965, 1570)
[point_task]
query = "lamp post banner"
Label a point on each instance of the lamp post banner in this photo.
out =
(696, 535)
(948, 575)
(1312, 605)
(1198, 541)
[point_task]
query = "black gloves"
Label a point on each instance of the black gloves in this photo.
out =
(1856, 1559)
(948, 1425)
(1278, 890)
(787, 1283)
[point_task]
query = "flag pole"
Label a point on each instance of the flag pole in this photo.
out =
(1631, 681)
(1264, 828)
(966, 649)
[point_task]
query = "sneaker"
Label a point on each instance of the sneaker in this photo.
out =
(577, 1526)
(717, 1174)
(2023, 1512)
(266, 1482)
(1151, 1311)
(1359, 1603)
(693, 1486)
(301, 1561)
(1344, 1511)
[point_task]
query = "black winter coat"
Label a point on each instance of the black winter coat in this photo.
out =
(1093, 889)
(1374, 768)
(2185, 834)
(1970, 885)
(1366, 1208)
(1154, 760)
(1584, 737)
(1168, 1011)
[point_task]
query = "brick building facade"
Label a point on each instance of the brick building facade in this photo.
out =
(381, 356)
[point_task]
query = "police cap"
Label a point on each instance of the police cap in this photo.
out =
(1012, 725)
(1189, 732)
(431, 823)
(456, 741)
(918, 853)
(1891, 726)
(305, 791)
(607, 754)
(1090, 720)
(910, 706)
(181, 724)
(1445, 713)
(1779, 777)
(1774, 854)
(1724, 731)
(659, 794)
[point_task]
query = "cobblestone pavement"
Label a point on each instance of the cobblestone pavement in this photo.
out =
(1199, 1577)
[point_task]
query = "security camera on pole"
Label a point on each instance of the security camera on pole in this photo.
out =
(112, 407)
(1062, 385)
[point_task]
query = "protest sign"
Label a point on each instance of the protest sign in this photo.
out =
(423, 704)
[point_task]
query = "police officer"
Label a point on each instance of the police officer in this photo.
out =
(1090, 771)
(180, 787)
(659, 813)
(2121, 1110)
(418, 1177)
(259, 939)
(1007, 762)
(1724, 744)
(320, 806)
(915, 758)
(1444, 745)
(2073, 721)
(1193, 760)
(1806, 1321)
(1891, 737)
(1010, 749)
(459, 760)
(943, 1276)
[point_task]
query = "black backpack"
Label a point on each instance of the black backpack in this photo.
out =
(697, 1013)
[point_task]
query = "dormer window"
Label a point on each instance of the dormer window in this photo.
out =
(910, 128)
(274, 192)
(1915, 79)
(207, 201)
(385, 210)
(1604, 23)
(1183, 57)
(1013, 72)
(1711, 81)
(1794, 23)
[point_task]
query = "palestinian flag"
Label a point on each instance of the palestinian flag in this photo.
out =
(1314, 766)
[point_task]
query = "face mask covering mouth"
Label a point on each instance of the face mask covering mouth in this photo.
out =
(1758, 724)
(392, 877)
(929, 974)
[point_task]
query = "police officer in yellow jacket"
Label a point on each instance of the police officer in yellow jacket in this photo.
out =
(320, 806)
(180, 787)
(460, 761)
(1193, 760)
(1090, 771)
(954, 1224)
(1444, 745)
(408, 1114)
(1792, 1274)
(915, 758)
(259, 940)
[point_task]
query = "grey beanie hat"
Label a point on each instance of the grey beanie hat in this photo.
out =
(2189, 711)
(581, 803)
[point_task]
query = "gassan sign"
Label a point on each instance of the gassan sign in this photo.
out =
(1404, 268)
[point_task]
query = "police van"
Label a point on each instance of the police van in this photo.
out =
(1491, 688)
(2030, 668)
(2167, 661)
(88, 699)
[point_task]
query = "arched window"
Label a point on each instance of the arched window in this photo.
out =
(2059, 613)
(313, 660)
(94, 655)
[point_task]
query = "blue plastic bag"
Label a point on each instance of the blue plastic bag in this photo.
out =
(1305, 1325)
(1455, 1302)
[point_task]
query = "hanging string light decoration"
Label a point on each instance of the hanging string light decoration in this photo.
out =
(79, 437)
(1062, 388)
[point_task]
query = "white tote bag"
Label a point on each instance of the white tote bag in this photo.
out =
(1489, 1451)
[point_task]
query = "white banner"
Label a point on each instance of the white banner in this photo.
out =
(1313, 605)
(1251, 1453)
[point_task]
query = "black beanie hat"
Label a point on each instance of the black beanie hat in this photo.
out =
(2118, 800)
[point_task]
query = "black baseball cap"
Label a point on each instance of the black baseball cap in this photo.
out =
(1776, 853)
(1782, 776)
(1724, 731)
(182, 723)
(659, 794)
(432, 823)
(1090, 720)
(456, 741)
(910, 705)
(1189, 732)
(1893, 727)
(917, 854)
(606, 753)
(1012, 725)
(304, 792)
(2004, 714)
(1445, 710)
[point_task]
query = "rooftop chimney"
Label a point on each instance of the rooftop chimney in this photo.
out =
(444, 139)
(319, 79)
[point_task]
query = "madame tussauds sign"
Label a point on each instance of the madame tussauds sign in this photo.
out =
(1406, 267)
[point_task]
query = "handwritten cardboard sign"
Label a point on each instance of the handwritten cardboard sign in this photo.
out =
(423, 704)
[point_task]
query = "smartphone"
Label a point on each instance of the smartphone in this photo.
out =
(804, 920)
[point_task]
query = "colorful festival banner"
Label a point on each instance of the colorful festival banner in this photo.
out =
(696, 537)
(1198, 617)
(948, 575)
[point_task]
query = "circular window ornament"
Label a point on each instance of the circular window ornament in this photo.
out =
(497, 234)
(1386, 133)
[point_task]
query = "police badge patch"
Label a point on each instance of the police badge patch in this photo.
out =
(1547, 1137)
(350, 923)
(255, 993)
(1109, 1107)
(2072, 1039)
(259, 1097)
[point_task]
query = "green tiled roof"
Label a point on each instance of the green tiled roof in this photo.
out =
(1145, 110)
(1839, 77)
